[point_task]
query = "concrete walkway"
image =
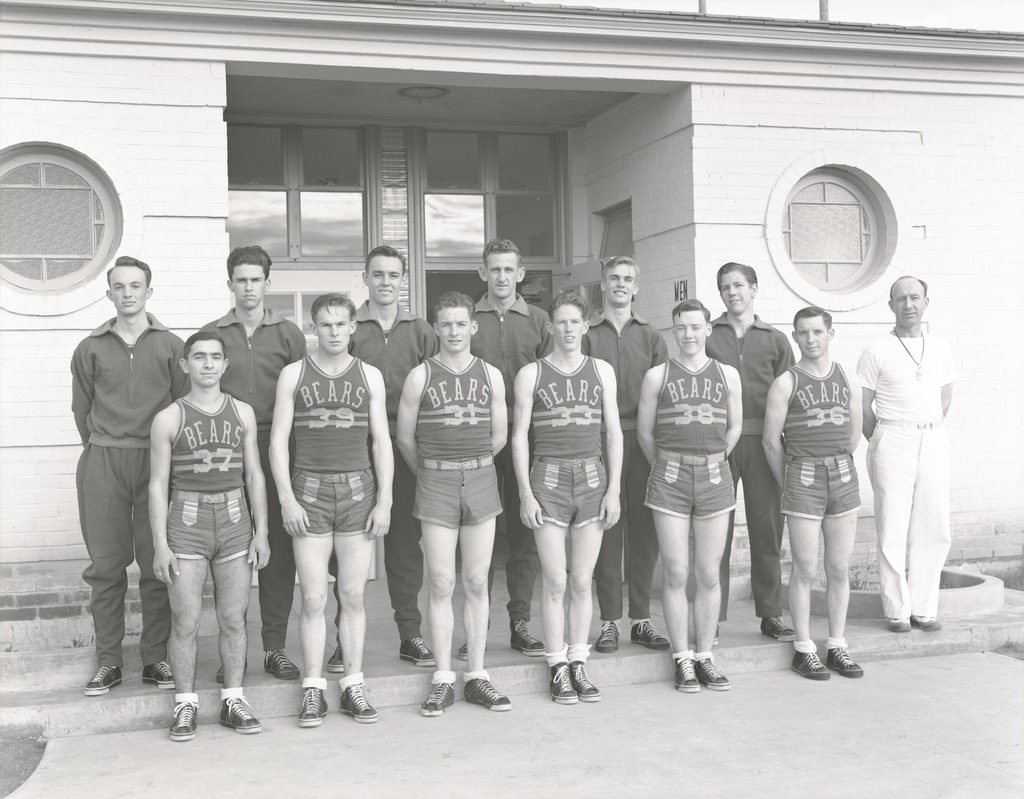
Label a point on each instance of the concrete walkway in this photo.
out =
(944, 726)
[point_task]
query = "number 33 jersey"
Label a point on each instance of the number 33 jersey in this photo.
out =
(207, 451)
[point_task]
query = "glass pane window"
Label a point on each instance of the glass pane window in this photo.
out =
(60, 218)
(453, 160)
(332, 223)
(255, 156)
(525, 163)
(529, 220)
(830, 228)
(330, 157)
(454, 225)
(258, 217)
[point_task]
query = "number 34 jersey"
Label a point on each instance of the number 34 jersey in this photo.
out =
(207, 452)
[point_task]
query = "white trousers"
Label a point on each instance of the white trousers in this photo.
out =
(909, 473)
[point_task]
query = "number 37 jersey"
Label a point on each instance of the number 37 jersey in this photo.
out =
(207, 452)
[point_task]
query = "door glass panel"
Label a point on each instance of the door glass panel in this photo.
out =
(454, 225)
(254, 156)
(258, 217)
(525, 162)
(453, 161)
(529, 221)
(332, 223)
(330, 157)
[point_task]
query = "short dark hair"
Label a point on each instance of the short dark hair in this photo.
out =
(332, 300)
(691, 305)
(569, 298)
(500, 246)
(253, 254)
(127, 260)
(203, 335)
(908, 277)
(812, 312)
(747, 271)
(386, 251)
(451, 300)
(618, 260)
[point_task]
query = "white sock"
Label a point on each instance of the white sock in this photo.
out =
(351, 679)
(314, 682)
(578, 652)
(836, 643)
(559, 656)
(704, 656)
(686, 655)
(232, 693)
(805, 647)
(477, 675)
(444, 676)
(190, 698)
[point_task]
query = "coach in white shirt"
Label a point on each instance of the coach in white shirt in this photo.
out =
(907, 380)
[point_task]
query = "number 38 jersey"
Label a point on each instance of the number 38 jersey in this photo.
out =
(207, 451)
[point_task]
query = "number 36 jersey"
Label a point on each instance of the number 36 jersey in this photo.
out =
(207, 451)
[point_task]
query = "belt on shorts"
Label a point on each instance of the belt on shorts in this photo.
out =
(332, 477)
(827, 460)
(692, 460)
(909, 425)
(457, 466)
(222, 498)
(592, 461)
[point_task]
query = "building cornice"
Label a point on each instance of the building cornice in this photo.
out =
(520, 41)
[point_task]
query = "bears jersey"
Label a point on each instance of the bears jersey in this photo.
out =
(567, 411)
(332, 419)
(455, 412)
(818, 422)
(207, 452)
(693, 409)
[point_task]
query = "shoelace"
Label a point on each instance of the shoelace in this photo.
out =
(420, 646)
(687, 671)
(813, 661)
(710, 670)
(105, 673)
(237, 707)
(438, 694)
(610, 630)
(579, 673)
(162, 670)
(488, 691)
(842, 657)
(524, 632)
(562, 680)
(311, 701)
(184, 714)
(645, 630)
(278, 659)
(358, 700)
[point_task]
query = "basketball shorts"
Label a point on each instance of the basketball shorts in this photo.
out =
(335, 503)
(819, 488)
(454, 493)
(213, 527)
(686, 486)
(569, 490)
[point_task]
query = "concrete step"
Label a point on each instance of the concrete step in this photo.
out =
(64, 711)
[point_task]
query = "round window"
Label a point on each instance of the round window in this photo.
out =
(60, 219)
(834, 227)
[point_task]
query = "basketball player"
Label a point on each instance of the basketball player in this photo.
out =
(333, 404)
(204, 445)
(812, 426)
(568, 489)
(451, 423)
(689, 419)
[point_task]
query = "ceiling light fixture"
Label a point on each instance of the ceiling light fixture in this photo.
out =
(419, 93)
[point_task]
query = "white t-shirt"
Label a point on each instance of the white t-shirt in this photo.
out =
(903, 391)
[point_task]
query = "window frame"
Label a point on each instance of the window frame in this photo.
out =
(103, 191)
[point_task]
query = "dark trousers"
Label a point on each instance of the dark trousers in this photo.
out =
(642, 549)
(403, 558)
(523, 564)
(762, 500)
(113, 506)
(277, 578)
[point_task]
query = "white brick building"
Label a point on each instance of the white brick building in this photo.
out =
(578, 131)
